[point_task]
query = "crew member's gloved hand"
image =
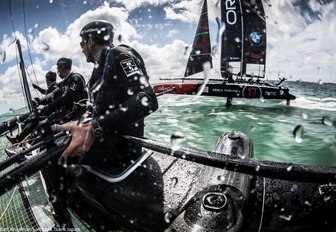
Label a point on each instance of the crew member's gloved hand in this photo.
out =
(43, 128)
(44, 110)
(35, 102)
(35, 86)
(32, 117)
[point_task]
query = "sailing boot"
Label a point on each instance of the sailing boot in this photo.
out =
(16, 151)
(12, 138)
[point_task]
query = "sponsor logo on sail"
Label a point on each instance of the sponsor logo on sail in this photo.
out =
(256, 38)
(231, 14)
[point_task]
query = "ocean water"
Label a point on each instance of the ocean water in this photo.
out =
(304, 132)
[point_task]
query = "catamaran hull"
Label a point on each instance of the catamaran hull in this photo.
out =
(169, 193)
(233, 90)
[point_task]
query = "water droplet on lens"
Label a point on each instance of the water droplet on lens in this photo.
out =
(144, 101)
(130, 92)
(168, 217)
(221, 178)
(304, 115)
(308, 203)
(327, 198)
(45, 46)
(176, 139)
(262, 99)
(174, 181)
(287, 218)
(53, 198)
(123, 109)
(106, 37)
(257, 168)
(3, 56)
(294, 187)
(298, 133)
(327, 121)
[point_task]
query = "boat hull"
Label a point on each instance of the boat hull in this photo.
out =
(167, 193)
(224, 89)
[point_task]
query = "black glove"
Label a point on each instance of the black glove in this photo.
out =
(35, 86)
(44, 111)
(43, 128)
(35, 102)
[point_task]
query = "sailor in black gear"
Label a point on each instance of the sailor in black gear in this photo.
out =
(119, 91)
(65, 103)
(68, 100)
(51, 83)
(122, 97)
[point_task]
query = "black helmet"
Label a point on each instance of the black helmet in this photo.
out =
(100, 31)
(51, 76)
(64, 62)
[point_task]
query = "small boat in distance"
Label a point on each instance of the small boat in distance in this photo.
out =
(243, 57)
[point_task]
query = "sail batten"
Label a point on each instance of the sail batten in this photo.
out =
(201, 48)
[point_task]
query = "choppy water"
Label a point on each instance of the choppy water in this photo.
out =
(270, 124)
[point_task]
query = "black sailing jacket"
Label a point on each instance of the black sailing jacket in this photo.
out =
(122, 98)
(68, 93)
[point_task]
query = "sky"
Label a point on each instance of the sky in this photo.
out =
(300, 35)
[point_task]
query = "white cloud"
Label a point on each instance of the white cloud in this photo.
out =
(8, 46)
(296, 48)
(185, 11)
(132, 5)
(163, 62)
(299, 48)
(172, 33)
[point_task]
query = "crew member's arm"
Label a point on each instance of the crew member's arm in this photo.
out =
(138, 106)
(50, 97)
(135, 108)
(41, 90)
(131, 77)
(67, 97)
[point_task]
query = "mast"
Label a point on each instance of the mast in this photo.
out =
(24, 77)
(201, 49)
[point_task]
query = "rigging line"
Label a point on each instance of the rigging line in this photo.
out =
(14, 31)
(9, 202)
(11, 16)
(263, 204)
(28, 48)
